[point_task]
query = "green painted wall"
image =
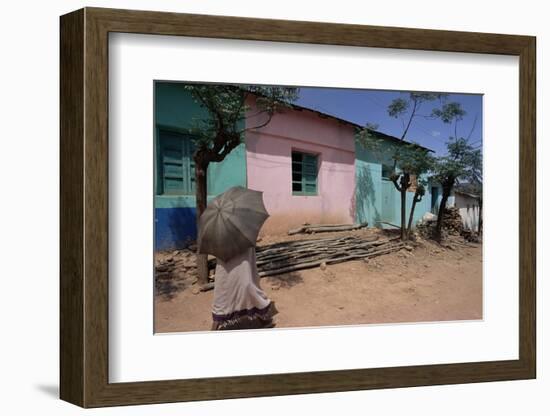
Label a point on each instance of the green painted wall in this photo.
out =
(175, 110)
(376, 199)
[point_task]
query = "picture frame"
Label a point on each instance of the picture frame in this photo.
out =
(84, 217)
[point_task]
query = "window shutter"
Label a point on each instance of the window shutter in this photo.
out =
(310, 174)
(304, 173)
(189, 150)
(177, 167)
(171, 163)
(297, 172)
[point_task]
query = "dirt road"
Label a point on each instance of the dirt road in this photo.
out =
(431, 283)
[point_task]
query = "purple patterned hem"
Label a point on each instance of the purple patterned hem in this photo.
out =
(253, 312)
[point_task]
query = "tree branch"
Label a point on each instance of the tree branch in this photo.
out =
(229, 146)
(240, 109)
(394, 180)
(199, 96)
(473, 127)
(413, 112)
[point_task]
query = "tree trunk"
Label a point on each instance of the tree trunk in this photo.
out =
(415, 200)
(479, 218)
(405, 177)
(445, 196)
(201, 199)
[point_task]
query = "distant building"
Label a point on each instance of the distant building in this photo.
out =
(468, 206)
(308, 165)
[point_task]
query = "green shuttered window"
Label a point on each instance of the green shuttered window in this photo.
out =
(304, 174)
(176, 168)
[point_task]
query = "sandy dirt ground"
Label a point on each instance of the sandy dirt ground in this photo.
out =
(429, 283)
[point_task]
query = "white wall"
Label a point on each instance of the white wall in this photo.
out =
(29, 214)
(468, 208)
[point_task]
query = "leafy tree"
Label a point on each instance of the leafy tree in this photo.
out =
(413, 161)
(229, 118)
(451, 113)
(474, 186)
(407, 109)
(408, 159)
(460, 163)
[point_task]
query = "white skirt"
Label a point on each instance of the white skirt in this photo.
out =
(239, 302)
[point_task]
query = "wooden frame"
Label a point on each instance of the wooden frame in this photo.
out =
(84, 207)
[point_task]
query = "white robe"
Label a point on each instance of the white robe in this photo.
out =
(237, 292)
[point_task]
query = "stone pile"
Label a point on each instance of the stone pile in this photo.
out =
(175, 271)
(452, 221)
(452, 226)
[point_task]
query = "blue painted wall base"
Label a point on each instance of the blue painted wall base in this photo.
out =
(175, 228)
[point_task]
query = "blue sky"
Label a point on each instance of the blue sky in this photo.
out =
(362, 106)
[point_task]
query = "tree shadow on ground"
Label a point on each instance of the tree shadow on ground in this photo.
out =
(176, 273)
(168, 288)
(286, 280)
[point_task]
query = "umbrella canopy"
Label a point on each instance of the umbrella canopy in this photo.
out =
(231, 223)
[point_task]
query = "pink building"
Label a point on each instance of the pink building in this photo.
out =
(305, 165)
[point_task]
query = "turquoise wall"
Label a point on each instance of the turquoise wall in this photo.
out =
(175, 110)
(368, 191)
(175, 224)
(376, 199)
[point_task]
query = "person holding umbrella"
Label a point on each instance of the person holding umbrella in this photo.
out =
(228, 229)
